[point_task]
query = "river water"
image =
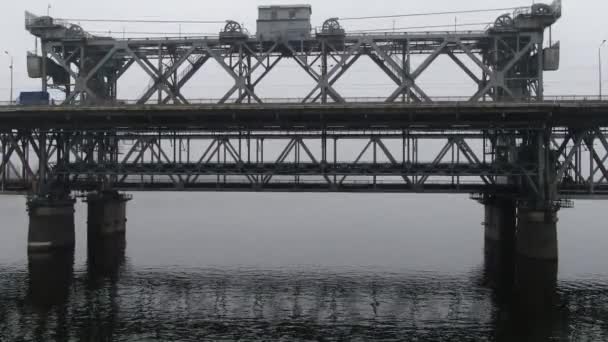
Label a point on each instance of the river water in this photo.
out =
(302, 267)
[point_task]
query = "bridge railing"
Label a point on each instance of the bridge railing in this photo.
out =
(359, 99)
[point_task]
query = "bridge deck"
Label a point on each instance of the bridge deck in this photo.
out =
(570, 114)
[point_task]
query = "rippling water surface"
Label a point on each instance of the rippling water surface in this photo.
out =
(223, 267)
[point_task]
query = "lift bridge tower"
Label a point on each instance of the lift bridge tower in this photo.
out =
(509, 57)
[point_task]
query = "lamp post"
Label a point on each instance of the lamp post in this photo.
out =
(599, 55)
(12, 69)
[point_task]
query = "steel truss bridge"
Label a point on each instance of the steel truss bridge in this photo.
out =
(505, 138)
(515, 149)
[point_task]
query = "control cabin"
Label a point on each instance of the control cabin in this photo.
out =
(284, 23)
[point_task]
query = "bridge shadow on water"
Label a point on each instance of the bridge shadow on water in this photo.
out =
(525, 295)
(508, 299)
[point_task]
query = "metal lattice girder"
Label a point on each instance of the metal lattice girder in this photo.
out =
(164, 78)
(240, 81)
(290, 169)
(153, 72)
(211, 162)
(409, 79)
(506, 63)
(323, 78)
(329, 160)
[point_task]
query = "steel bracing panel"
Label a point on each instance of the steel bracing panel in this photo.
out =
(376, 160)
(503, 64)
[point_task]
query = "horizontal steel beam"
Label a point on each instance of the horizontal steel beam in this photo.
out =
(291, 169)
(311, 116)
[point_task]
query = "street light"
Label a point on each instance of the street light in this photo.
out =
(10, 67)
(599, 55)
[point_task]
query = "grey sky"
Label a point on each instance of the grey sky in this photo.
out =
(581, 29)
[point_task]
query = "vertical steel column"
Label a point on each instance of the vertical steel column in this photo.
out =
(81, 73)
(542, 169)
(241, 74)
(497, 66)
(4, 164)
(298, 147)
(188, 150)
(452, 148)
(457, 163)
(541, 66)
(44, 51)
(26, 151)
(42, 162)
(249, 84)
(375, 150)
(403, 148)
(407, 66)
(248, 147)
(323, 78)
(324, 148)
(335, 159)
(160, 72)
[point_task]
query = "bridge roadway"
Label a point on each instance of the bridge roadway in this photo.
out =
(281, 116)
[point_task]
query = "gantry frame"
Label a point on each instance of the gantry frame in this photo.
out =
(504, 62)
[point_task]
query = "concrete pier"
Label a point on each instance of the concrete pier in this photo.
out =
(51, 225)
(107, 213)
(537, 234)
(499, 245)
(500, 222)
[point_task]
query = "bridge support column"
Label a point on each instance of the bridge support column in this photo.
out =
(51, 225)
(107, 214)
(537, 233)
(500, 220)
(499, 231)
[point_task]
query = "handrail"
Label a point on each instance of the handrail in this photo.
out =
(370, 100)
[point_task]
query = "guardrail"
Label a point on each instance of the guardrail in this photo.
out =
(371, 100)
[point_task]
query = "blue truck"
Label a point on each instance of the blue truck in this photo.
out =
(34, 98)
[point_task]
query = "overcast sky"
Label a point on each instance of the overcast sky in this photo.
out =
(581, 29)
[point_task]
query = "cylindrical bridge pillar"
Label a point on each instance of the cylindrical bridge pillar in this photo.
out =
(51, 225)
(499, 232)
(107, 214)
(500, 221)
(537, 233)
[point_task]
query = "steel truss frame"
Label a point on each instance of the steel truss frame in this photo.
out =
(507, 65)
(576, 162)
(582, 156)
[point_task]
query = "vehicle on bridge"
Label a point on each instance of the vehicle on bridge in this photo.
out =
(34, 98)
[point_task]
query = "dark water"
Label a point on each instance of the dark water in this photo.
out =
(223, 267)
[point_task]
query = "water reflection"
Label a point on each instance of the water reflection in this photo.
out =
(105, 263)
(50, 278)
(508, 299)
(525, 295)
(48, 293)
(105, 258)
